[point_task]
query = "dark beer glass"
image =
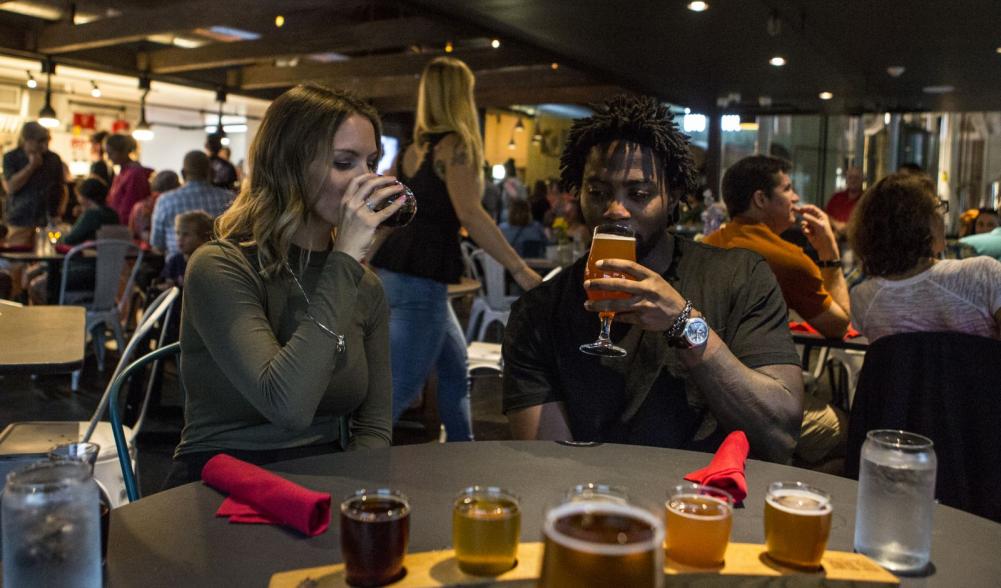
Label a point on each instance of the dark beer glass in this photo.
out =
(375, 530)
(597, 538)
(404, 215)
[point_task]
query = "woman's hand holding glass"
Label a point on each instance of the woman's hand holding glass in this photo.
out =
(358, 222)
(652, 303)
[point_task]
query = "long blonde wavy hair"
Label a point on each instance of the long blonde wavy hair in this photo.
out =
(297, 132)
(445, 103)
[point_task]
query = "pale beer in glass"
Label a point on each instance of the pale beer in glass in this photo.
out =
(486, 524)
(797, 523)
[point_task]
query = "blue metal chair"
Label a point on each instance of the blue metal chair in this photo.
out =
(131, 488)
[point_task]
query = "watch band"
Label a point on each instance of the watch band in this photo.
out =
(829, 263)
(679, 323)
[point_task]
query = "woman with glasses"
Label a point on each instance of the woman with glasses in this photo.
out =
(898, 233)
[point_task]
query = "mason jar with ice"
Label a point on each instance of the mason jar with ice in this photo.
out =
(896, 497)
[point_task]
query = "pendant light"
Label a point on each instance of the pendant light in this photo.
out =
(47, 115)
(143, 131)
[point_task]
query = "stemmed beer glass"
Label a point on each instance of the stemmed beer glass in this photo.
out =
(610, 241)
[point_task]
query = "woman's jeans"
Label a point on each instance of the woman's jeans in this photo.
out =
(424, 333)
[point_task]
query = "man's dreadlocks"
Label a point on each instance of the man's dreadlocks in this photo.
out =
(635, 119)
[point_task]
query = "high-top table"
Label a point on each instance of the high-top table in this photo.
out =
(41, 339)
(174, 539)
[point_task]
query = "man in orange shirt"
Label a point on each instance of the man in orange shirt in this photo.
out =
(762, 203)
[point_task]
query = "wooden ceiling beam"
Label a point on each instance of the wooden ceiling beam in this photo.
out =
(584, 94)
(321, 37)
(486, 81)
(168, 17)
(260, 76)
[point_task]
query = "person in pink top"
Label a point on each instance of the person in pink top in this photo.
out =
(131, 183)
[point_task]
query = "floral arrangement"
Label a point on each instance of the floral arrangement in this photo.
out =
(560, 228)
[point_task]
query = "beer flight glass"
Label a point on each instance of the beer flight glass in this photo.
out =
(375, 531)
(486, 524)
(698, 520)
(610, 242)
(797, 523)
(596, 537)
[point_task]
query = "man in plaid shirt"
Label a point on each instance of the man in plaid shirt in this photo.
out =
(197, 193)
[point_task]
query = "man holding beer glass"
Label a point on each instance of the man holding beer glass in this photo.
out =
(707, 348)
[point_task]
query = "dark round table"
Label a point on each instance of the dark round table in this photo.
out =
(174, 539)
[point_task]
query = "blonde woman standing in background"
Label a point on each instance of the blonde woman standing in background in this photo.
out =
(443, 166)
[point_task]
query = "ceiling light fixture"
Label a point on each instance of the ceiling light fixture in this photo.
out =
(495, 43)
(279, 21)
(895, 71)
(32, 82)
(826, 95)
(511, 144)
(143, 130)
(944, 89)
(777, 61)
(554, 66)
(449, 47)
(999, 49)
(698, 6)
(47, 115)
(220, 97)
(95, 92)
(519, 127)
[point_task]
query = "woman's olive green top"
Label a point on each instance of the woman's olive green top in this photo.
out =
(259, 375)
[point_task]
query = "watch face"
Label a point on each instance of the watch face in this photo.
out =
(696, 332)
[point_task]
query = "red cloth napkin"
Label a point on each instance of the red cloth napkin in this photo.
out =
(63, 248)
(806, 328)
(726, 470)
(258, 496)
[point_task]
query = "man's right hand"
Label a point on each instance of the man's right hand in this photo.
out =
(817, 228)
(34, 160)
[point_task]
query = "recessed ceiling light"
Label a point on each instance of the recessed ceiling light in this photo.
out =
(698, 6)
(495, 43)
(999, 49)
(554, 66)
(777, 61)
(826, 95)
(896, 71)
(945, 89)
(279, 21)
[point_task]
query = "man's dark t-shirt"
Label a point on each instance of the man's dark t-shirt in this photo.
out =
(644, 398)
(40, 195)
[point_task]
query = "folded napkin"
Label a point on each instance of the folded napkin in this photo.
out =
(726, 470)
(258, 496)
(804, 327)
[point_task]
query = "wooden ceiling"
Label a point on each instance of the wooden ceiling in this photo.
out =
(374, 47)
(378, 48)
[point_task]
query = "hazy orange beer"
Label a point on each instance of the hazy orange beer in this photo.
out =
(698, 521)
(609, 242)
(797, 523)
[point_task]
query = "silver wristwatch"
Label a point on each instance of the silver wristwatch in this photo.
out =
(688, 332)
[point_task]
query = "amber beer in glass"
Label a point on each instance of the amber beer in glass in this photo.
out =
(609, 242)
(797, 523)
(486, 524)
(698, 521)
(600, 542)
(375, 530)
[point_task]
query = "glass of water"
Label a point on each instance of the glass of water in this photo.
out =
(896, 497)
(51, 530)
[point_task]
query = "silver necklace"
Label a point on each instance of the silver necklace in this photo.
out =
(340, 345)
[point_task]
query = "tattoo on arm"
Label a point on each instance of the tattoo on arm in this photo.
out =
(439, 168)
(459, 156)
